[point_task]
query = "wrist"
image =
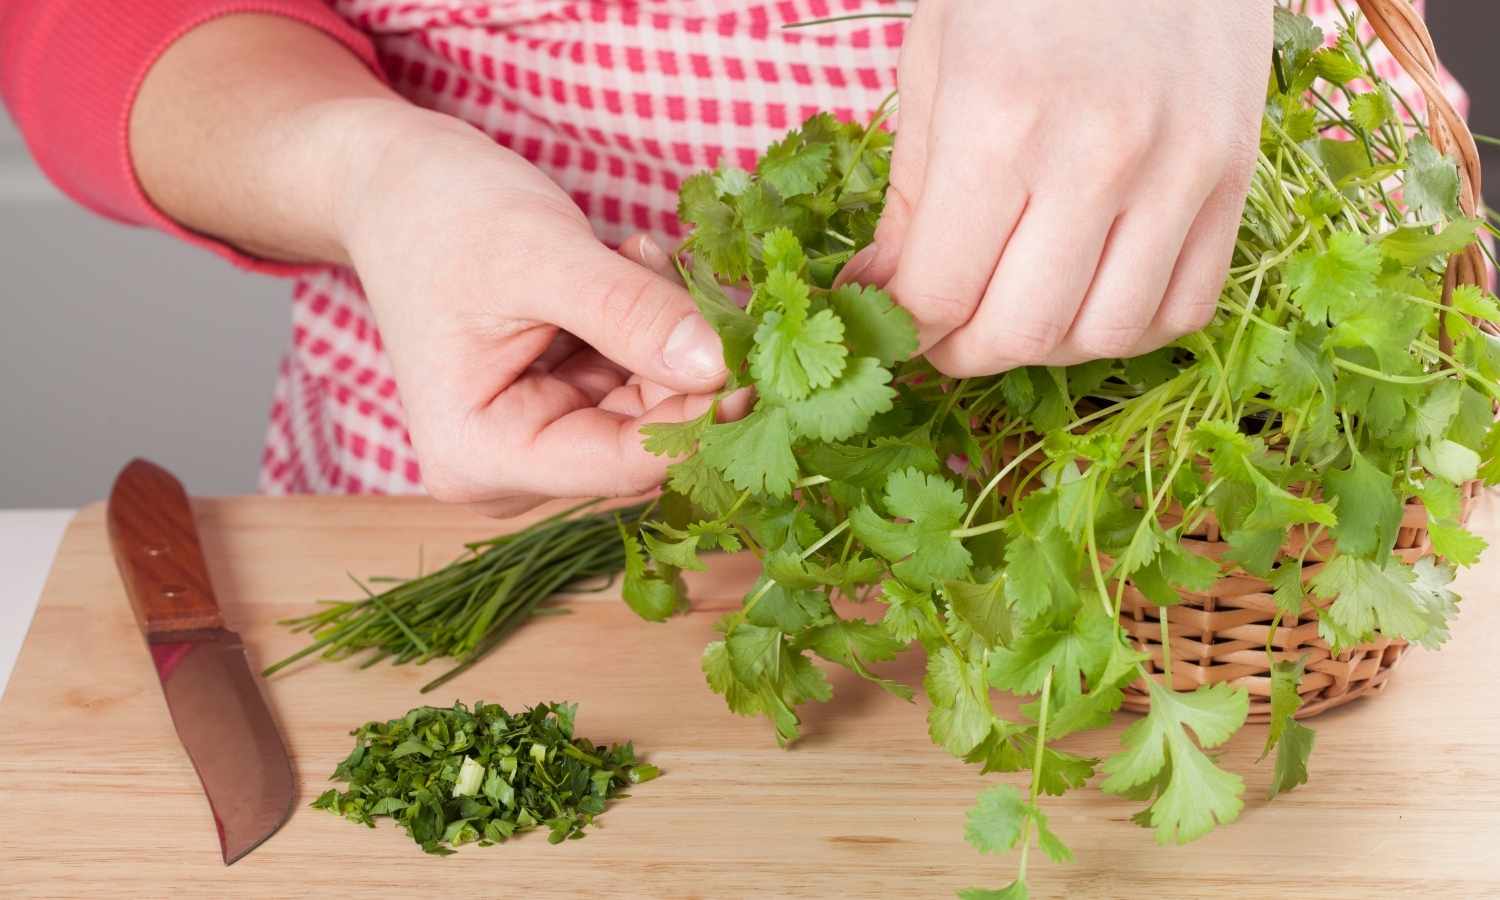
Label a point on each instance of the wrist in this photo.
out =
(383, 149)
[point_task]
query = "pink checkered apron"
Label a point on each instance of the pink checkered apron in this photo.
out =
(617, 101)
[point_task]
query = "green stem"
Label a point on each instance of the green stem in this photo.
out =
(849, 18)
(1036, 768)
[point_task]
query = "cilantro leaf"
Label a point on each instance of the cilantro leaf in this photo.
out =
(730, 181)
(1431, 185)
(909, 613)
(1370, 597)
(960, 715)
(870, 467)
(680, 554)
(760, 669)
(754, 453)
(845, 407)
(794, 352)
(995, 824)
(1041, 573)
(1286, 674)
(923, 549)
(1455, 543)
(1195, 794)
(742, 699)
(1174, 566)
(787, 608)
(1449, 459)
(675, 438)
(716, 234)
(1335, 66)
(1417, 244)
(1335, 282)
(982, 607)
(1295, 35)
(1291, 739)
(1371, 110)
(1289, 594)
(1073, 655)
(874, 324)
(735, 327)
(654, 596)
(1292, 751)
(780, 250)
(700, 482)
(794, 167)
(1368, 512)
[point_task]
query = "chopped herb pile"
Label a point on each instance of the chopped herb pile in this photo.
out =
(467, 608)
(452, 777)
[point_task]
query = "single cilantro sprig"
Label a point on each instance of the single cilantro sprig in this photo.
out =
(450, 777)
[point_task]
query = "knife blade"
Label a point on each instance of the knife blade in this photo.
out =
(216, 704)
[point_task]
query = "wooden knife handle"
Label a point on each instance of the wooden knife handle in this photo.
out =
(156, 547)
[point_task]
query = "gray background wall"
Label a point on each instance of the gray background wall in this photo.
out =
(117, 341)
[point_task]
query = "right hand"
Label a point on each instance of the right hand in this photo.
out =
(527, 354)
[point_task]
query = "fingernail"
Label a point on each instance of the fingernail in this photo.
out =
(651, 253)
(858, 265)
(693, 349)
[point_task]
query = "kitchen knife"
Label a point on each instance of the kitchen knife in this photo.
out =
(215, 702)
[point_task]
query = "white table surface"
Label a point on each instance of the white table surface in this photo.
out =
(28, 542)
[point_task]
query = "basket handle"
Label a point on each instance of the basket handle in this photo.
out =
(1405, 35)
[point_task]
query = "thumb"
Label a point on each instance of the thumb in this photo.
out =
(639, 320)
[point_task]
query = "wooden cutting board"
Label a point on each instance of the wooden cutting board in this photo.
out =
(97, 797)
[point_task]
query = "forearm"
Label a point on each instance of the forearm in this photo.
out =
(251, 129)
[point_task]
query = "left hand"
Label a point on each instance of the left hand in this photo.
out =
(1068, 177)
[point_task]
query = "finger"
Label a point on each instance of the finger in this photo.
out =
(635, 317)
(543, 436)
(1036, 291)
(735, 406)
(963, 218)
(592, 452)
(961, 225)
(590, 373)
(1132, 278)
(917, 79)
(1197, 279)
(563, 347)
(625, 400)
(635, 396)
(876, 263)
(505, 507)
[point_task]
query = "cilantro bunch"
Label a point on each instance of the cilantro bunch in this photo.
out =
(997, 521)
(451, 776)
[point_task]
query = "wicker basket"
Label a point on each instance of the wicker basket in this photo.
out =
(1221, 635)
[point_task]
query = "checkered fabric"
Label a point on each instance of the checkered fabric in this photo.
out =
(617, 101)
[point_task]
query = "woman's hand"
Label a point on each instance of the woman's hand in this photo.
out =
(1068, 176)
(528, 354)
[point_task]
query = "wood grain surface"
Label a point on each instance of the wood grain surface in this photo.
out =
(100, 800)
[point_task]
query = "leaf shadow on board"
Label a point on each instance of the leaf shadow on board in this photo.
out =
(854, 696)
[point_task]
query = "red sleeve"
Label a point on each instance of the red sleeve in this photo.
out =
(69, 73)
